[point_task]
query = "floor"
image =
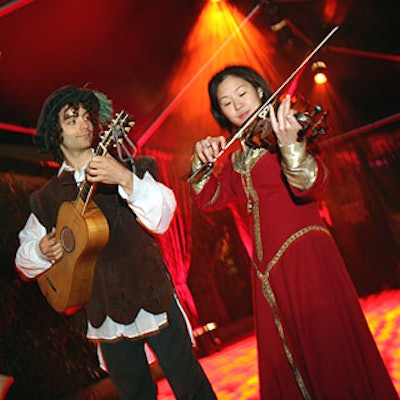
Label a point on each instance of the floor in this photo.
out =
(233, 369)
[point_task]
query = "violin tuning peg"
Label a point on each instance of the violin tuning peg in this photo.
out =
(316, 110)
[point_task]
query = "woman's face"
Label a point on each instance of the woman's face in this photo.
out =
(238, 99)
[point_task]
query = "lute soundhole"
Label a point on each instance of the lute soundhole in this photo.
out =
(67, 239)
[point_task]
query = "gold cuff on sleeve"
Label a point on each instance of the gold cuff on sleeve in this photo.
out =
(299, 166)
(199, 184)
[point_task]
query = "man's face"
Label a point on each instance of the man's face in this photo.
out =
(76, 129)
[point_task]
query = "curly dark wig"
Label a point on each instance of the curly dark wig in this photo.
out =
(48, 138)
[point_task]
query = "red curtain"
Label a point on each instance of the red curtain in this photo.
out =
(176, 243)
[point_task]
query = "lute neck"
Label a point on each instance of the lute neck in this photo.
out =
(87, 189)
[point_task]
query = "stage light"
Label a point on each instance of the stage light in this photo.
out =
(319, 70)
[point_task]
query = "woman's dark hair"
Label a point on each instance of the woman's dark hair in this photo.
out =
(248, 74)
(47, 138)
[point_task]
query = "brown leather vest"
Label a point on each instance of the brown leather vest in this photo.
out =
(130, 272)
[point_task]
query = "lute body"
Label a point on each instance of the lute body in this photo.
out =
(68, 283)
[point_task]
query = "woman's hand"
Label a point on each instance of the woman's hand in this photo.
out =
(208, 149)
(284, 122)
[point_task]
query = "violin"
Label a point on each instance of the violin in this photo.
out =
(258, 128)
(312, 120)
(257, 131)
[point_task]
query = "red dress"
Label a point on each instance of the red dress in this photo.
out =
(313, 340)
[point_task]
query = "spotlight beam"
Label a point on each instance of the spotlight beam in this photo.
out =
(167, 110)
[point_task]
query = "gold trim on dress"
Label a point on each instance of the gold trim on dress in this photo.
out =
(216, 194)
(243, 162)
(270, 297)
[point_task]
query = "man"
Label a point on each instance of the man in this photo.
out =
(133, 299)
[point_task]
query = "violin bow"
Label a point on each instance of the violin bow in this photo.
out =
(261, 112)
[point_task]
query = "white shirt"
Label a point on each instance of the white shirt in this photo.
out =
(153, 203)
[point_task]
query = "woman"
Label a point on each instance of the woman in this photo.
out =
(313, 339)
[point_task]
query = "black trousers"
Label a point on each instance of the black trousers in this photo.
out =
(129, 369)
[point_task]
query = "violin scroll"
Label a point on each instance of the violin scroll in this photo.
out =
(313, 124)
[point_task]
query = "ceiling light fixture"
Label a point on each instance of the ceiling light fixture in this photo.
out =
(319, 69)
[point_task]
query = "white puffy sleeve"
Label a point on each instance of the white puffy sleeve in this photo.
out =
(29, 260)
(153, 203)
